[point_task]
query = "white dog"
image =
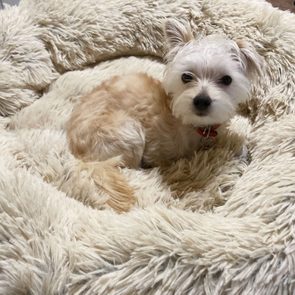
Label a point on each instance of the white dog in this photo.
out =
(148, 123)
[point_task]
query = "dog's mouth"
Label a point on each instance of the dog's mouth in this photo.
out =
(202, 114)
(203, 129)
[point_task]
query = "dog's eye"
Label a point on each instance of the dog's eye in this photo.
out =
(186, 77)
(226, 80)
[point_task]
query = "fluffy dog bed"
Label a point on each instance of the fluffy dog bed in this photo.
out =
(218, 224)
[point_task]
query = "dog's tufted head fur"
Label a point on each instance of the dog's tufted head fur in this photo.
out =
(207, 79)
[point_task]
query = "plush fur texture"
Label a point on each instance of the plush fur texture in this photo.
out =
(26, 68)
(231, 231)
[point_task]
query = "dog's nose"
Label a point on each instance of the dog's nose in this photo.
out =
(202, 102)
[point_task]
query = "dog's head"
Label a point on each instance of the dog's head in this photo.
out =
(209, 78)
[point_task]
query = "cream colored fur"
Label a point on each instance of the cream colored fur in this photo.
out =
(232, 232)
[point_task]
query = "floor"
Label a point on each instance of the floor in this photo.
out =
(284, 4)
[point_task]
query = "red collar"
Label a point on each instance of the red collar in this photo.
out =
(208, 131)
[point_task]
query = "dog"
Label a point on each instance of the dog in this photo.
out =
(145, 123)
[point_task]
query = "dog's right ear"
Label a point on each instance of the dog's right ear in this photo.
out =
(177, 33)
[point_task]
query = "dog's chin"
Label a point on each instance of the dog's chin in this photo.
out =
(200, 120)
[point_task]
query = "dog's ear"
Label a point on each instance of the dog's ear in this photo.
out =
(251, 59)
(177, 34)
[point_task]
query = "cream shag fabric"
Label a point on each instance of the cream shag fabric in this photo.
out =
(232, 230)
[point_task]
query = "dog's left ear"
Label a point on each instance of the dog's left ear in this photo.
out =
(176, 34)
(252, 61)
